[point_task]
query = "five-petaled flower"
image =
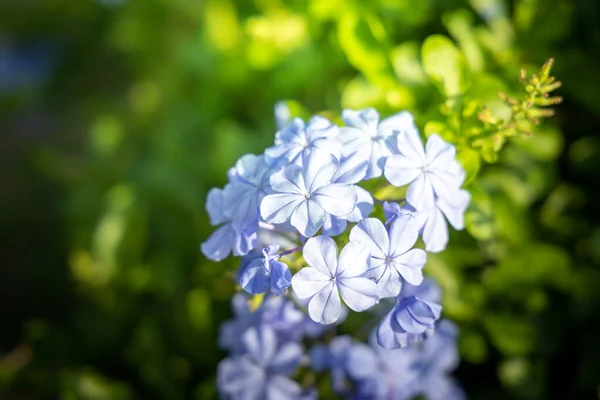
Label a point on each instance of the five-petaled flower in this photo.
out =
(392, 257)
(305, 195)
(329, 277)
(431, 172)
(372, 139)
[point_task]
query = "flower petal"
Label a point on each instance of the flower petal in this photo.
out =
(386, 333)
(309, 281)
(435, 232)
(420, 193)
(218, 245)
(401, 121)
(287, 359)
(279, 208)
(364, 205)
(289, 180)
(319, 168)
(242, 204)
(279, 387)
(438, 152)
(352, 169)
(403, 235)
(454, 208)
(281, 277)
(240, 375)
(353, 260)
(215, 206)
(359, 293)
(371, 232)
(387, 279)
(254, 278)
(366, 120)
(337, 199)
(261, 344)
(325, 306)
(400, 170)
(333, 225)
(411, 146)
(307, 218)
(410, 264)
(406, 320)
(321, 253)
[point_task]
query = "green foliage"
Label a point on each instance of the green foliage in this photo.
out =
(149, 103)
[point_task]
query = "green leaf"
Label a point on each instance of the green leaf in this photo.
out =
(545, 144)
(363, 40)
(470, 161)
(406, 63)
(445, 65)
(479, 219)
(512, 335)
(441, 129)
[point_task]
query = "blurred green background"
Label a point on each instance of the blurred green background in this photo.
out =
(118, 116)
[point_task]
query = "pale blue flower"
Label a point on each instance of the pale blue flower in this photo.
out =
(432, 223)
(266, 273)
(329, 277)
(433, 361)
(380, 374)
(392, 257)
(249, 183)
(296, 141)
(334, 359)
(312, 329)
(351, 170)
(262, 372)
(374, 140)
(411, 320)
(226, 238)
(304, 196)
(276, 312)
(431, 172)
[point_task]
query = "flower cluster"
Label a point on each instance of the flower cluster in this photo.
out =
(299, 208)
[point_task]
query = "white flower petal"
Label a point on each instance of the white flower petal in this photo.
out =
(353, 260)
(371, 232)
(410, 265)
(420, 193)
(325, 306)
(438, 152)
(435, 232)
(358, 293)
(320, 252)
(337, 199)
(308, 218)
(319, 168)
(387, 279)
(279, 208)
(454, 208)
(364, 205)
(289, 180)
(403, 235)
(309, 281)
(400, 171)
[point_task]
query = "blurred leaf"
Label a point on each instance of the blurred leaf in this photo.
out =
(545, 145)
(479, 219)
(407, 64)
(445, 65)
(470, 161)
(364, 41)
(512, 335)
